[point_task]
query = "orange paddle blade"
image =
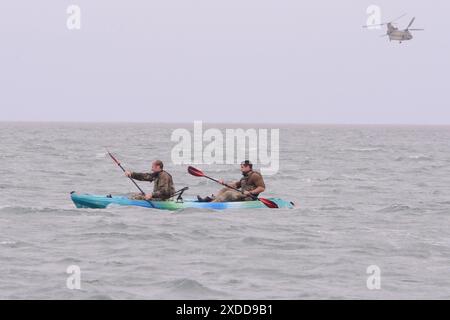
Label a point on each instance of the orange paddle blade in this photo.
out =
(195, 172)
(268, 203)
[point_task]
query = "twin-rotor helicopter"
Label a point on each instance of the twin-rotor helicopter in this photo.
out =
(394, 33)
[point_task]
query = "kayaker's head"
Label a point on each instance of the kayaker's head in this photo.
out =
(246, 167)
(157, 166)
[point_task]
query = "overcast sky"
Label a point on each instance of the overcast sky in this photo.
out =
(223, 61)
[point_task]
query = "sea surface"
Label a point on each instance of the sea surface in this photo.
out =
(366, 196)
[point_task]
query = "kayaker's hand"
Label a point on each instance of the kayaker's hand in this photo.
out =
(128, 174)
(233, 184)
(247, 193)
(148, 196)
(221, 182)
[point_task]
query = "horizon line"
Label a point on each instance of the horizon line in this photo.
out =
(232, 123)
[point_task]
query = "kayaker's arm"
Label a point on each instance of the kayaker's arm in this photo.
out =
(236, 184)
(255, 191)
(142, 176)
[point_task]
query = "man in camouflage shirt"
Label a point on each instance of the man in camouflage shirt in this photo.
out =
(163, 187)
(251, 183)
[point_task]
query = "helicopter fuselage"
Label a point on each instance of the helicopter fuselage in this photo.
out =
(399, 35)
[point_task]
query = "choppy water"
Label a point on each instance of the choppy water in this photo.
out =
(374, 195)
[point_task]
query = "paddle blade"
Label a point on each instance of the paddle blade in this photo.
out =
(195, 172)
(268, 203)
(112, 157)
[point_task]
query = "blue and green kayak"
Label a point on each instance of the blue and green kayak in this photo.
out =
(101, 202)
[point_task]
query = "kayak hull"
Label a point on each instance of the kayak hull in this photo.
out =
(102, 202)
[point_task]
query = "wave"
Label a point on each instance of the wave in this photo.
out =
(396, 208)
(100, 297)
(261, 270)
(284, 177)
(13, 244)
(251, 240)
(116, 235)
(417, 157)
(337, 208)
(22, 210)
(192, 210)
(374, 149)
(100, 155)
(354, 177)
(186, 287)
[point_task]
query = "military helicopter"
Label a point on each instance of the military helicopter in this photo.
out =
(394, 33)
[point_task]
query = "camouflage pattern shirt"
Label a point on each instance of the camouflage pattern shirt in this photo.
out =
(163, 187)
(251, 181)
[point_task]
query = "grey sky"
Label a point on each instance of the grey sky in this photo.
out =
(223, 60)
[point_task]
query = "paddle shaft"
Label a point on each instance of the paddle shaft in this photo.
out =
(123, 169)
(228, 186)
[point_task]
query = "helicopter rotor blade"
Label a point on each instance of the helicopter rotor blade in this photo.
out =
(398, 18)
(416, 29)
(373, 25)
(380, 24)
(385, 23)
(410, 24)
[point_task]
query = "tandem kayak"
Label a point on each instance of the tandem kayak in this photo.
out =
(101, 202)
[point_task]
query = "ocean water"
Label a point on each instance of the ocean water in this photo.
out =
(365, 195)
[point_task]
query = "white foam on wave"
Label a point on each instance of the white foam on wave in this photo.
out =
(415, 157)
(100, 155)
(420, 157)
(8, 242)
(363, 149)
(186, 287)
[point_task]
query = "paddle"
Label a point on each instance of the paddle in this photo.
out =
(118, 163)
(198, 173)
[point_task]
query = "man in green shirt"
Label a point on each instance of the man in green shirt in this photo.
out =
(163, 187)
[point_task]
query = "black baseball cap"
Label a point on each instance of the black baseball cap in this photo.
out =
(247, 163)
